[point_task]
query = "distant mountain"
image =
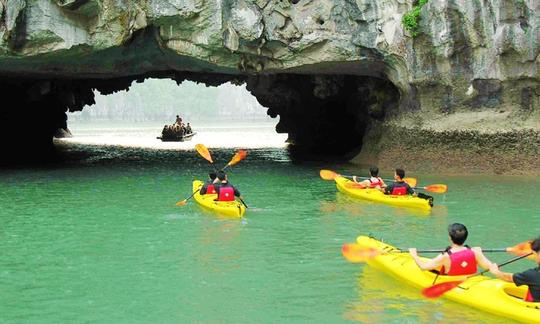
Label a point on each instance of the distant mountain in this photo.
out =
(163, 99)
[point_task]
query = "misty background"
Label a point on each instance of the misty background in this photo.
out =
(162, 99)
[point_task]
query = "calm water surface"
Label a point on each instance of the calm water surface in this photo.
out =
(100, 239)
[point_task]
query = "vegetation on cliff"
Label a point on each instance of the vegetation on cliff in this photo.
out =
(411, 18)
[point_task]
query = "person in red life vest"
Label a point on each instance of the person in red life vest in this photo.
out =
(374, 181)
(208, 187)
(225, 190)
(401, 188)
(457, 259)
(529, 277)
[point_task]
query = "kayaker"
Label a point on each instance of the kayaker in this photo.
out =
(458, 259)
(401, 188)
(208, 187)
(374, 181)
(530, 277)
(225, 190)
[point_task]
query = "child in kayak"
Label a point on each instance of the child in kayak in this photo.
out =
(374, 181)
(208, 187)
(457, 259)
(225, 190)
(400, 188)
(529, 277)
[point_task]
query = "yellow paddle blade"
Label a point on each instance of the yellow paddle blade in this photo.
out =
(356, 254)
(182, 202)
(410, 181)
(203, 151)
(437, 188)
(239, 156)
(328, 174)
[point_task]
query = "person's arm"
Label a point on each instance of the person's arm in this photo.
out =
(203, 189)
(506, 276)
(388, 189)
(430, 264)
(481, 259)
(383, 185)
(410, 190)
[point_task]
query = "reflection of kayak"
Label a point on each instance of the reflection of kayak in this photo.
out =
(228, 208)
(491, 295)
(350, 188)
(177, 138)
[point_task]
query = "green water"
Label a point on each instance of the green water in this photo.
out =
(101, 240)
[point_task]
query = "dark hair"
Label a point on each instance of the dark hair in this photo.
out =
(535, 245)
(221, 175)
(400, 173)
(458, 233)
(374, 171)
(212, 174)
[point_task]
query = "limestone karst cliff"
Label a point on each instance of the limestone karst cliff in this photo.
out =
(333, 70)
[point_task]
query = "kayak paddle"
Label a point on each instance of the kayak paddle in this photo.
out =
(436, 188)
(355, 253)
(204, 152)
(438, 290)
(331, 175)
(184, 202)
(239, 156)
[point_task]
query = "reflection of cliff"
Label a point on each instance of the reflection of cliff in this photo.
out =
(335, 71)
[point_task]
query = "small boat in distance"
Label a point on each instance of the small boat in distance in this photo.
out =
(177, 138)
(177, 132)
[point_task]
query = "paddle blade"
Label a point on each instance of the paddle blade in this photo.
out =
(438, 290)
(182, 202)
(437, 188)
(239, 156)
(521, 249)
(328, 174)
(357, 254)
(203, 151)
(411, 181)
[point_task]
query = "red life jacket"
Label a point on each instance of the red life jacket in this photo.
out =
(461, 263)
(210, 189)
(226, 194)
(529, 297)
(399, 191)
(374, 182)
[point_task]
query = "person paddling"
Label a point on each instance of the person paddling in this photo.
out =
(225, 190)
(374, 181)
(208, 187)
(401, 188)
(458, 259)
(530, 278)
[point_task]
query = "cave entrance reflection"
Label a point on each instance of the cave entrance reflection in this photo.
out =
(223, 116)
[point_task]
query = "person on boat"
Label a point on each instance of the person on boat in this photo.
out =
(458, 259)
(188, 129)
(178, 120)
(208, 187)
(530, 277)
(374, 181)
(225, 190)
(399, 188)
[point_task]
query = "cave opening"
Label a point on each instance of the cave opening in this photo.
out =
(324, 115)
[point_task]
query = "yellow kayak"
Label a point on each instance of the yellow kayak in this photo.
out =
(349, 188)
(228, 208)
(490, 295)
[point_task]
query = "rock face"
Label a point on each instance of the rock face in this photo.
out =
(318, 64)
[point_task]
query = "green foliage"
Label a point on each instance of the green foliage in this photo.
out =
(411, 18)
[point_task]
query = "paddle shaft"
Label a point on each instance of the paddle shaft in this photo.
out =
(439, 251)
(242, 201)
(505, 263)
(193, 194)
